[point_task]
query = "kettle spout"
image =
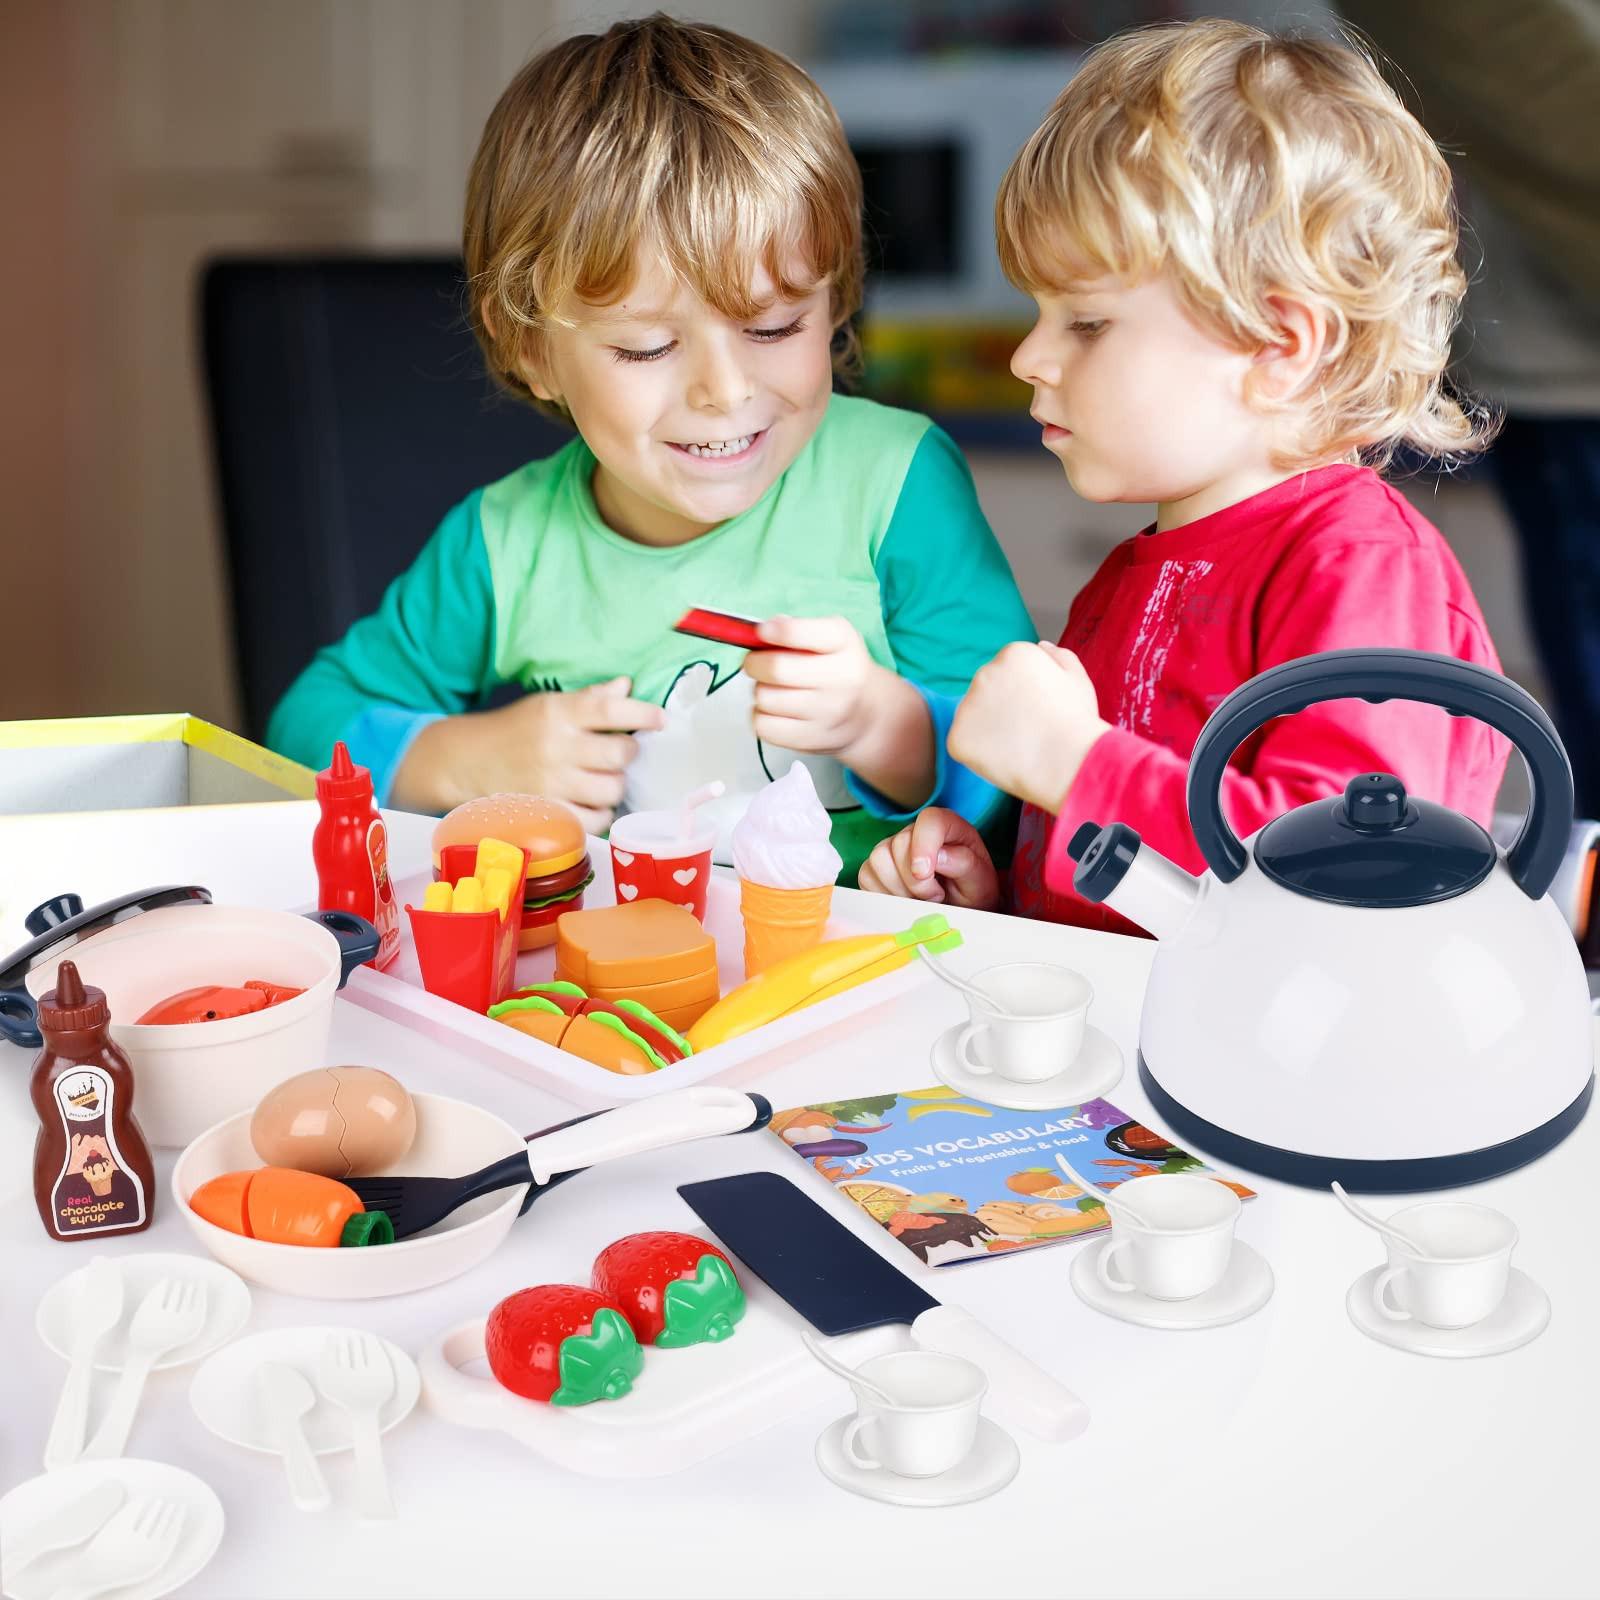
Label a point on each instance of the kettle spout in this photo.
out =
(1116, 868)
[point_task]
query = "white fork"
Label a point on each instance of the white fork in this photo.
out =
(171, 1314)
(354, 1371)
(132, 1547)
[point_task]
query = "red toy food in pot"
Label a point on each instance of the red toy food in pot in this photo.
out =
(212, 1002)
(674, 1288)
(562, 1343)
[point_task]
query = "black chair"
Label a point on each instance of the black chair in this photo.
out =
(350, 409)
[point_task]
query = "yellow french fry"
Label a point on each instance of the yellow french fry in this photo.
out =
(437, 897)
(496, 889)
(493, 853)
(468, 896)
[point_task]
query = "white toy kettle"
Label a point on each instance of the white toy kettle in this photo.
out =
(1367, 988)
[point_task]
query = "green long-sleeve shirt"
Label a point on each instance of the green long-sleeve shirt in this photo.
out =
(876, 520)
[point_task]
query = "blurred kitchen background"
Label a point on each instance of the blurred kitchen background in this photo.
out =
(142, 138)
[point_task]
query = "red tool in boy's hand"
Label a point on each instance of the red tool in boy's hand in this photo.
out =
(726, 627)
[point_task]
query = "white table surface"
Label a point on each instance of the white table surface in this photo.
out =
(1285, 1455)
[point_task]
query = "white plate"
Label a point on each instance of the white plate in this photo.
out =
(685, 1405)
(991, 1465)
(1096, 1072)
(224, 1394)
(227, 1308)
(1245, 1287)
(397, 993)
(202, 1527)
(1519, 1318)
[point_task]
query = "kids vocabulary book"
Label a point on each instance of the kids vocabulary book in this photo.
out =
(954, 1179)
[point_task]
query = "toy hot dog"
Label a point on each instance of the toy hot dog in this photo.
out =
(619, 1035)
(282, 1206)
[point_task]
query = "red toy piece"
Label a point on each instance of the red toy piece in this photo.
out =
(562, 1343)
(674, 1288)
(214, 1002)
(351, 850)
(469, 957)
(726, 627)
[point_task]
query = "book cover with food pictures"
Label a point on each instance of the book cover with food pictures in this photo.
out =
(954, 1179)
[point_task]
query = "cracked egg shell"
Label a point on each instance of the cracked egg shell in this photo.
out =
(339, 1122)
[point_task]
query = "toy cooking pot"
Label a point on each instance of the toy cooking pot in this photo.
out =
(1367, 988)
(147, 946)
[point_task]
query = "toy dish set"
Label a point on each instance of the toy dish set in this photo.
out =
(398, 994)
(145, 948)
(1367, 989)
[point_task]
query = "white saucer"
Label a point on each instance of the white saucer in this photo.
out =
(224, 1394)
(1097, 1071)
(1521, 1317)
(38, 1497)
(227, 1308)
(991, 1466)
(1245, 1287)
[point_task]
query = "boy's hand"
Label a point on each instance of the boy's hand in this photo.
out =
(1027, 722)
(821, 692)
(811, 693)
(570, 746)
(941, 857)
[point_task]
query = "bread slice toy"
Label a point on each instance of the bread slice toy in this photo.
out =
(620, 1035)
(646, 950)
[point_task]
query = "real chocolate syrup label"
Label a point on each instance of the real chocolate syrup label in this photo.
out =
(96, 1190)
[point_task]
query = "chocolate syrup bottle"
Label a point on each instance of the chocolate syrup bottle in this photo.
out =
(92, 1173)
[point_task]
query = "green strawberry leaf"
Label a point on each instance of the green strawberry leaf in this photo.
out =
(600, 1364)
(701, 1309)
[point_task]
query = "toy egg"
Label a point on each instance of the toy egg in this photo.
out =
(339, 1122)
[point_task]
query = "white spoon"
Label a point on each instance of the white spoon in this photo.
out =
(848, 1373)
(971, 991)
(1107, 1197)
(97, 1309)
(1372, 1220)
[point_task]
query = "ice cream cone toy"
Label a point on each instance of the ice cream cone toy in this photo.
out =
(786, 868)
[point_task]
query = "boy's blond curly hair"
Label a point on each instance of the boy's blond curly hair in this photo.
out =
(1246, 165)
(657, 135)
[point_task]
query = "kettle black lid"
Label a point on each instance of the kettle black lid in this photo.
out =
(1375, 847)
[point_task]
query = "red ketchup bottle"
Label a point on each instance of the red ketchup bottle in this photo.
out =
(351, 849)
(92, 1174)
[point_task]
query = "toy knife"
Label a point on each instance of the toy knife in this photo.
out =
(840, 1284)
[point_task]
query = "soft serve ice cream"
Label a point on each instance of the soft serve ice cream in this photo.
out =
(786, 868)
(782, 838)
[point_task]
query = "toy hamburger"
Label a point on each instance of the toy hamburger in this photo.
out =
(552, 835)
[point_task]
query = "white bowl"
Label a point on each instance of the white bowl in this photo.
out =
(453, 1138)
(189, 1075)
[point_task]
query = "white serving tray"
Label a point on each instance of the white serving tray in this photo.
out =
(686, 1405)
(398, 994)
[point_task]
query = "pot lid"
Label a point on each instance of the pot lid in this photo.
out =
(60, 923)
(1375, 847)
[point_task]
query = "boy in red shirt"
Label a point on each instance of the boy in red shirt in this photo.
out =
(1243, 253)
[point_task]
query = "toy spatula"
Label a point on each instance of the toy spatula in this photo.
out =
(414, 1204)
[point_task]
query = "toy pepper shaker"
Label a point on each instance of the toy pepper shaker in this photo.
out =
(351, 850)
(92, 1173)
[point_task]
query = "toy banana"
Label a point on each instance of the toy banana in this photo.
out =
(816, 974)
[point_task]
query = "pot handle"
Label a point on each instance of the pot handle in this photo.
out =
(358, 939)
(1376, 675)
(19, 1019)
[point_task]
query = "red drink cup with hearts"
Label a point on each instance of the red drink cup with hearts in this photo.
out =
(652, 858)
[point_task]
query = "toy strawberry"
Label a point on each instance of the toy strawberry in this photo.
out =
(674, 1288)
(562, 1343)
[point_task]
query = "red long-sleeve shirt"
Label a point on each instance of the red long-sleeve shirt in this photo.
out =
(1173, 622)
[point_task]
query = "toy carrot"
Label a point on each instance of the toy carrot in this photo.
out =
(282, 1206)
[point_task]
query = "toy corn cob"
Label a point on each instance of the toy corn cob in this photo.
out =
(817, 974)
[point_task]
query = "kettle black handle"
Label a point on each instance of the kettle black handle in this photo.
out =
(1377, 675)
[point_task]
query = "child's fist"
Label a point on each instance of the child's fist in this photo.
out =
(940, 857)
(1027, 722)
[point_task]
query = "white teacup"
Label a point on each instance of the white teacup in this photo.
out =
(1033, 1026)
(1184, 1248)
(1466, 1279)
(931, 1426)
